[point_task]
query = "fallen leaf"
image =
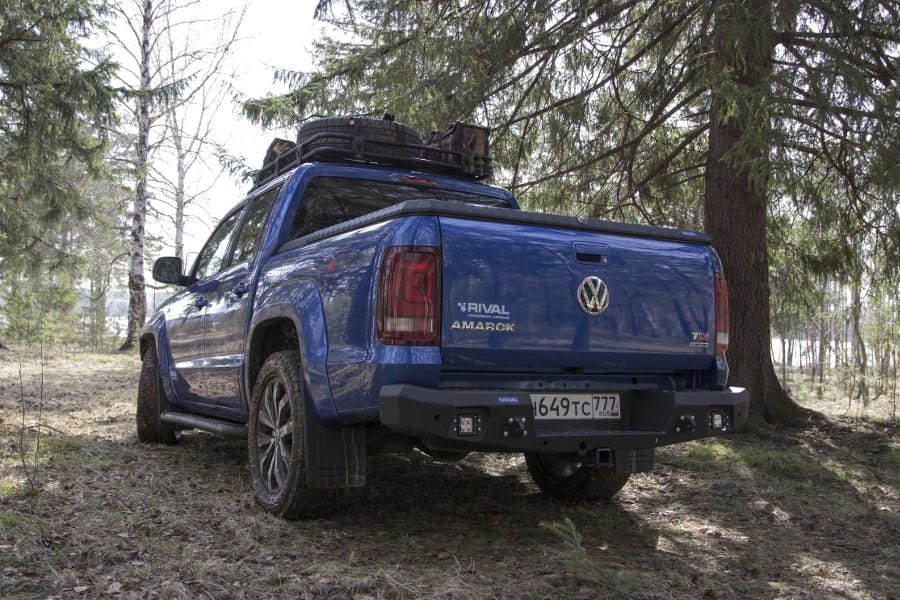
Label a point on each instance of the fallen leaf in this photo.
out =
(114, 588)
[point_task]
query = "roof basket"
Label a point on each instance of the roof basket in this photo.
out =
(461, 150)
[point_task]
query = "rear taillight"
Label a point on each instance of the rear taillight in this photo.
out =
(409, 297)
(721, 314)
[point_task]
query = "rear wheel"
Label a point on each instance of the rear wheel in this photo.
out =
(275, 439)
(559, 476)
(151, 403)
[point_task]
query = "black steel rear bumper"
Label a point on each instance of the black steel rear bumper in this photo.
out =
(506, 422)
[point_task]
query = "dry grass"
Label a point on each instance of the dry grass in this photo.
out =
(831, 397)
(810, 514)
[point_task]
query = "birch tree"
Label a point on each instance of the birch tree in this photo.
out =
(191, 109)
(168, 65)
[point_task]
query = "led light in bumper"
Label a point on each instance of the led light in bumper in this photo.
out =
(467, 425)
(718, 420)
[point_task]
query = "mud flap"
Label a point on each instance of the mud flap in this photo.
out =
(335, 456)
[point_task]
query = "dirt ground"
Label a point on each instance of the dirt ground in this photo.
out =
(87, 512)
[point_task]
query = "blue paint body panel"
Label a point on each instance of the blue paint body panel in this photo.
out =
(509, 302)
(524, 281)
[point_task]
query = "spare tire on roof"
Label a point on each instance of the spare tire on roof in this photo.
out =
(370, 129)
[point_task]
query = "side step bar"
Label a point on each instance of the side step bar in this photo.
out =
(223, 428)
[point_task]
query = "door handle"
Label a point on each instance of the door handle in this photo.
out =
(240, 289)
(592, 254)
(200, 302)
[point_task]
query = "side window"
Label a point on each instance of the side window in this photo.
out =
(329, 201)
(212, 257)
(251, 230)
(319, 208)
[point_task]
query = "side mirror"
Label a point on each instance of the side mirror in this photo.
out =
(167, 269)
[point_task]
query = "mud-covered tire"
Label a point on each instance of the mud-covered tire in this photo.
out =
(571, 480)
(151, 403)
(373, 130)
(275, 442)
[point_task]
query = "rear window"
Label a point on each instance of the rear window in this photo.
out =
(332, 200)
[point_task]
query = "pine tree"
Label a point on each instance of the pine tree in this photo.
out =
(55, 104)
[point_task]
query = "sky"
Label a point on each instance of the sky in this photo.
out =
(273, 34)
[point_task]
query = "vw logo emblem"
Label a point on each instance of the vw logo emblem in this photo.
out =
(593, 296)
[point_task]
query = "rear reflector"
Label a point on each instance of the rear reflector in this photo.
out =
(409, 297)
(721, 314)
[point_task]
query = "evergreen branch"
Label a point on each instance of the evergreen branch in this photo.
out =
(618, 70)
(628, 144)
(787, 38)
(886, 72)
(845, 111)
(663, 164)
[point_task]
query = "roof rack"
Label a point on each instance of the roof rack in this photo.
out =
(461, 150)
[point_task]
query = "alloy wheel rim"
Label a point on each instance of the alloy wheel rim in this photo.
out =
(274, 436)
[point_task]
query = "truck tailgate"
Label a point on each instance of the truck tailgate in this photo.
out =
(511, 299)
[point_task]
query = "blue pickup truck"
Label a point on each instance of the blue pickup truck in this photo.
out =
(372, 294)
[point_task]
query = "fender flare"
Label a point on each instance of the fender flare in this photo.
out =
(302, 305)
(157, 332)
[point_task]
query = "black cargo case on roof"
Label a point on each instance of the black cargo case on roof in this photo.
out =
(461, 150)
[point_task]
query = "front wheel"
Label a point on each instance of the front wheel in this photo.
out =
(561, 477)
(275, 440)
(151, 403)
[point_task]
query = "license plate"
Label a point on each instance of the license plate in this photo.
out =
(576, 406)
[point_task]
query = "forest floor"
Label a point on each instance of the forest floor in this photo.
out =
(811, 513)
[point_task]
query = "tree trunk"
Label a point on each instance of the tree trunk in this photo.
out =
(822, 350)
(735, 203)
(181, 177)
(784, 353)
(137, 299)
(893, 350)
(895, 358)
(790, 352)
(860, 357)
